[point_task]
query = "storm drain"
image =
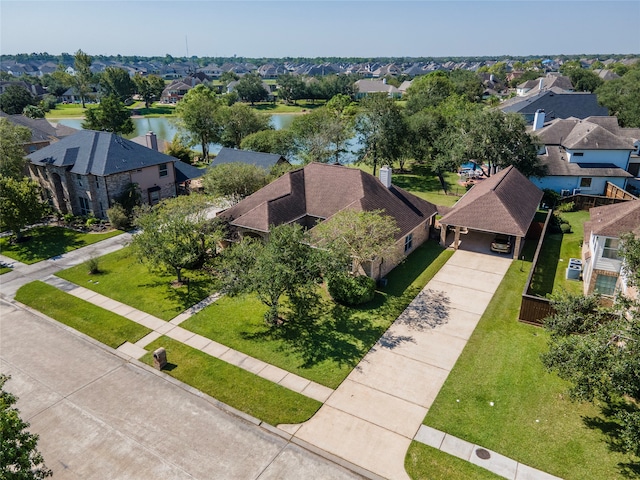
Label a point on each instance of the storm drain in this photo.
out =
(483, 454)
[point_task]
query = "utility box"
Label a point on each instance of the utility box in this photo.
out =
(574, 269)
(160, 358)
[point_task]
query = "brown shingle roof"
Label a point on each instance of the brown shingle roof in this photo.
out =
(320, 191)
(614, 220)
(503, 203)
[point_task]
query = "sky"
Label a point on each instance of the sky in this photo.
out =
(308, 28)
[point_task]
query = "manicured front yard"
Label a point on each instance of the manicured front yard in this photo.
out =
(125, 279)
(105, 326)
(532, 419)
(232, 385)
(326, 345)
(49, 241)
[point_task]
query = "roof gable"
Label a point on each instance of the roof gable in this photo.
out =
(504, 203)
(615, 220)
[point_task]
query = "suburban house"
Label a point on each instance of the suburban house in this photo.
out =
(601, 263)
(43, 133)
(174, 92)
(366, 87)
(84, 173)
(263, 160)
(556, 103)
(318, 191)
(581, 156)
(505, 203)
(552, 80)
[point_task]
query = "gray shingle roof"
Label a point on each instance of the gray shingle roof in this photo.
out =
(41, 129)
(558, 166)
(185, 172)
(98, 153)
(320, 191)
(263, 160)
(503, 203)
(556, 105)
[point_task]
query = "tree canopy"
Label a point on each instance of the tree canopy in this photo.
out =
(83, 77)
(15, 98)
(149, 87)
(110, 115)
(239, 121)
(270, 141)
(234, 180)
(20, 203)
(198, 118)
(19, 455)
(622, 97)
(12, 156)
(116, 81)
(250, 89)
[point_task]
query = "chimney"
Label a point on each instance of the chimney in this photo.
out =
(152, 141)
(538, 120)
(385, 176)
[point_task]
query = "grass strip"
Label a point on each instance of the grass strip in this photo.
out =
(232, 385)
(426, 463)
(105, 326)
(49, 241)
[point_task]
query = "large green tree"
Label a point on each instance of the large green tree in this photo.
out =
(20, 204)
(428, 91)
(622, 97)
(284, 266)
(12, 155)
(382, 128)
(291, 88)
(15, 98)
(198, 118)
(234, 180)
(83, 77)
(239, 121)
(250, 88)
(270, 141)
(116, 81)
(597, 350)
(149, 87)
(19, 455)
(173, 234)
(109, 116)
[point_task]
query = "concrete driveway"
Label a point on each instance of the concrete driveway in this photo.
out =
(99, 416)
(374, 414)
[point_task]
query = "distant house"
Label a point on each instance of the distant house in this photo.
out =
(551, 80)
(43, 133)
(84, 173)
(581, 156)
(366, 87)
(71, 95)
(34, 89)
(175, 92)
(504, 203)
(318, 191)
(556, 103)
(601, 263)
(263, 160)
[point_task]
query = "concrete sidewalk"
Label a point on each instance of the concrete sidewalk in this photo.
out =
(371, 419)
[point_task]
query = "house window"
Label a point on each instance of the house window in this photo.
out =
(585, 182)
(163, 170)
(154, 195)
(606, 285)
(610, 249)
(97, 183)
(408, 242)
(79, 180)
(85, 209)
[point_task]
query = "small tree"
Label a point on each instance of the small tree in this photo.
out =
(12, 157)
(236, 180)
(239, 121)
(20, 204)
(109, 116)
(19, 456)
(179, 150)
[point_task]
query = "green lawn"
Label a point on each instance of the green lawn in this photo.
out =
(557, 249)
(532, 419)
(155, 110)
(326, 345)
(66, 110)
(46, 242)
(232, 385)
(105, 326)
(4, 269)
(126, 280)
(301, 107)
(426, 463)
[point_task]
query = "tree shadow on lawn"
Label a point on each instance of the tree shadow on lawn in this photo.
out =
(611, 428)
(45, 242)
(185, 296)
(545, 273)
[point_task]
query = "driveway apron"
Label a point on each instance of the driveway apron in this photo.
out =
(372, 417)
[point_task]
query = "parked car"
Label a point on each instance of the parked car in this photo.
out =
(501, 244)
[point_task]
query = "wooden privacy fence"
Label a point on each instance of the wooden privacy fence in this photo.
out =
(535, 309)
(612, 194)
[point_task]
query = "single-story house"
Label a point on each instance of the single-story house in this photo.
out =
(505, 203)
(602, 267)
(318, 191)
(233, 155)
(581, 156)
(366, 87)
(84, 173)
(43, 133)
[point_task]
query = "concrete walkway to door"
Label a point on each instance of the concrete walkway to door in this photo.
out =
(372, 417)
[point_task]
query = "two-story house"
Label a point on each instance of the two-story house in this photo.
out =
(84, 173)
(601, 263)
(581, 156)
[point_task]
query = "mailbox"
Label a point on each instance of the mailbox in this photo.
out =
(160, 358)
